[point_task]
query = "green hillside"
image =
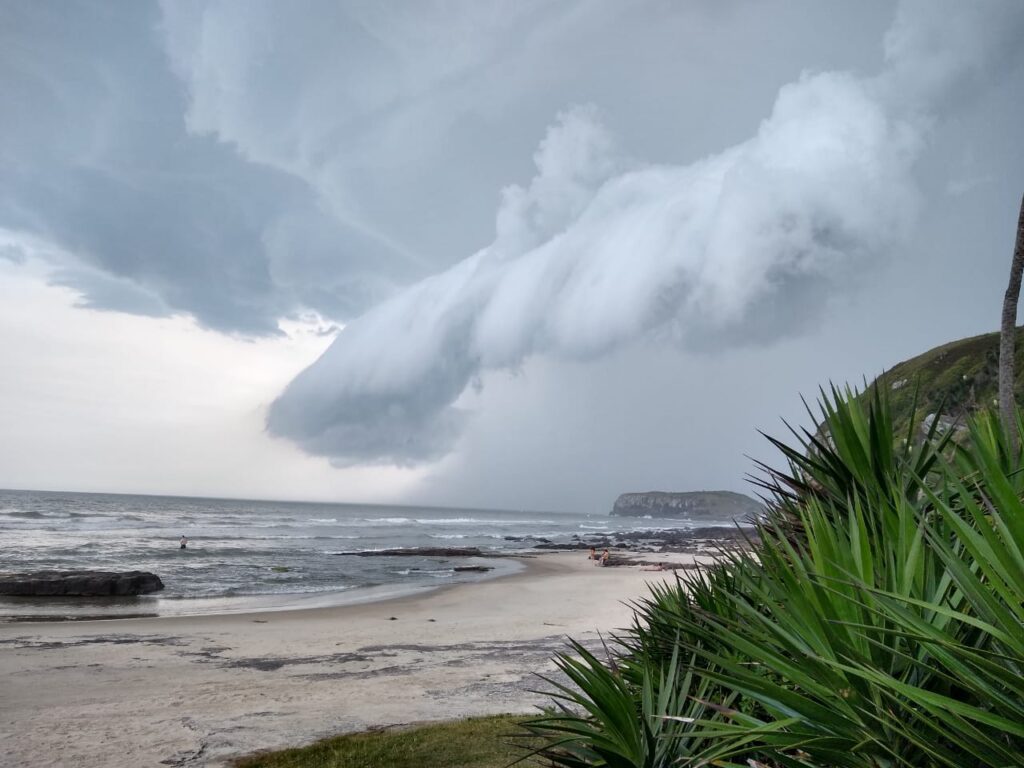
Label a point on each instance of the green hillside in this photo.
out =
(956, 379)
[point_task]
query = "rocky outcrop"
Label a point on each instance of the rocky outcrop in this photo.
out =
(684, 540)
(79, 583)
(703, 505)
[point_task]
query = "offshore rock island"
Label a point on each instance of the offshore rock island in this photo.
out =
(706, 505)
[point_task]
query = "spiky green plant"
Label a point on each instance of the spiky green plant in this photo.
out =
(636, 715)
(880, 622)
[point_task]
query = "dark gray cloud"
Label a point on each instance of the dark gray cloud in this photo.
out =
(742, 246)
(96, 157)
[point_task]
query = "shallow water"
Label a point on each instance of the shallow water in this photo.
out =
(261, 555)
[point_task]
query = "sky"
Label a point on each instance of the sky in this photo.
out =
(509, 254)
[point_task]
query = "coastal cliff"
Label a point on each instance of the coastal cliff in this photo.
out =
(707, 505)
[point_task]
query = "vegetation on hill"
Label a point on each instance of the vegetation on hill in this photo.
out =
(956, 380)
(879, 623)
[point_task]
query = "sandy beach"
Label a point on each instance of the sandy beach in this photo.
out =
(200, 690)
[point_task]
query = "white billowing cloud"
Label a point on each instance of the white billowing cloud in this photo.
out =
(591, 255)
(583, 263)
(573, 159)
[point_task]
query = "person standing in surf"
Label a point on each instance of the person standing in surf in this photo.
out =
(184, 543)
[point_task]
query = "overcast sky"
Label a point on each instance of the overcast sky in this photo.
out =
(502, 254)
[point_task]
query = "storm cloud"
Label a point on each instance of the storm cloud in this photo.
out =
(575, 248)
(597, 250)
(240, 162)
(143, 215)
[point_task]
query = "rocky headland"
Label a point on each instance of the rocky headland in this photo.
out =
(691, 505)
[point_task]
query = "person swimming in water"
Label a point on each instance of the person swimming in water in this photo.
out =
(184, 542)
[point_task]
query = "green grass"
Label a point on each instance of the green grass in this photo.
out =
(959, 378)
(481, 742)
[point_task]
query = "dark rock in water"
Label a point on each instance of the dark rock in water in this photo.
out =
(480, 568)
(709, 505)
(692, 540)
(576, 543)
(79, 583)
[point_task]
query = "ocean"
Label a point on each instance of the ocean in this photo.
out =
(264, 555)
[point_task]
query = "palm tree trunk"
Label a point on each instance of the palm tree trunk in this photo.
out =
(1007, 336)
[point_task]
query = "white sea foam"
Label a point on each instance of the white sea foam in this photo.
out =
(451, 520)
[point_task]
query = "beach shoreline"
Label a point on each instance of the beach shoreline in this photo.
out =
(47, 610)
(202, 689)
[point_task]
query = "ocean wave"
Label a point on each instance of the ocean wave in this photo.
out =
(479, 521)
(452, 520)
(362, 551)
(446, 521)
(268, 589)
(323, 520)
(29, 514)
(433, 573)
(294, 538)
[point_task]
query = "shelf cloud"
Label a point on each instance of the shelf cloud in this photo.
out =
(599, 250)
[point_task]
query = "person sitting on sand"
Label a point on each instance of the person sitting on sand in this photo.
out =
(605, 558)
(184, 542)
(655, 567)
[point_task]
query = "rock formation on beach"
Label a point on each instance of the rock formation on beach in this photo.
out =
(79, 583)
(705, 505)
